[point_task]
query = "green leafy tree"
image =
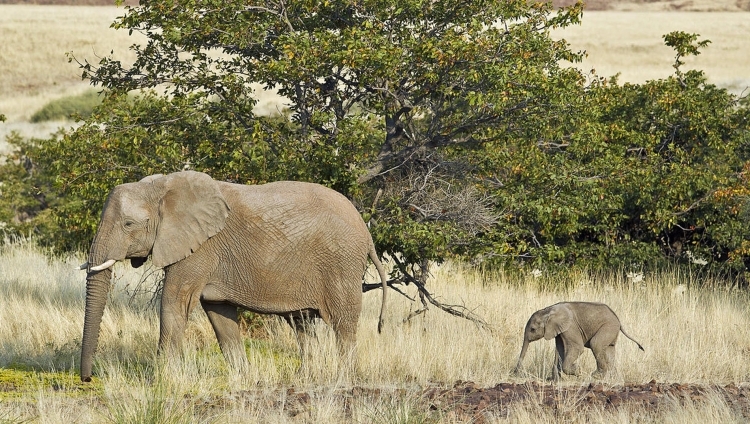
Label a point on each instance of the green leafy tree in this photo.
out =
(645, 174)
(27, 193)
(381, 95)
(454, 127)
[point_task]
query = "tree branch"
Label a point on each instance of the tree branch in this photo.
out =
(455, 310)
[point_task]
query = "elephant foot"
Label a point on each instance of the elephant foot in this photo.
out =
(555, 378)
(571, 369)
(516, 372)
(599, 375)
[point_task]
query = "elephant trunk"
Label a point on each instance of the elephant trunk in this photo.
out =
(522, 355)
(97, 289)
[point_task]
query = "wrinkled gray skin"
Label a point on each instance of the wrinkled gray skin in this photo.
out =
(288, 248)
(574, 326)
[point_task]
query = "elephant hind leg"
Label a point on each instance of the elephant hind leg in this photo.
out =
(302, 323)
(346, 339)
(341, 312)
(603, 347)
(346, 342)
(223, 318)
(605, 361)
(567, 355)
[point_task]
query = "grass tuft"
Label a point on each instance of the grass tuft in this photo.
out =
(79, 106)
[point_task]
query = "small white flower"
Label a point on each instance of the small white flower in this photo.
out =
(635, 277)
(678, 290)
(694, 259)
(536, 273)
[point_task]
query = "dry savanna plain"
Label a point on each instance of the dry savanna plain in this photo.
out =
(432, 368)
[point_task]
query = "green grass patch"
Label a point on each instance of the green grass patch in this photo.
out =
(17, 383)
(82, 105)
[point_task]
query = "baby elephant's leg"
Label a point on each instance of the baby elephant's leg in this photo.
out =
(603, 346)
(567, 356)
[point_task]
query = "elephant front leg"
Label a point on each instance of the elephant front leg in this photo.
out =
(173, 320)
(569, 365)
(567, 355)
(559, 355)
(179, 297)
(224, 320)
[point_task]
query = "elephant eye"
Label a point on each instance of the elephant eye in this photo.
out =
(129, 224)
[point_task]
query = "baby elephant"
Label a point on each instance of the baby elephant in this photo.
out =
(576, 325)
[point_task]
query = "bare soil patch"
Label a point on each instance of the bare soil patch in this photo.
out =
(465, 401)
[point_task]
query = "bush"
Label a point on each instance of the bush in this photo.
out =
(80, 106)
(453, 138)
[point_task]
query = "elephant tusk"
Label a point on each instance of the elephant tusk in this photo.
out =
(103, 266)
(82, 266)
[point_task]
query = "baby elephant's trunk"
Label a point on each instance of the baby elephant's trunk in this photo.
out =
(525, 346)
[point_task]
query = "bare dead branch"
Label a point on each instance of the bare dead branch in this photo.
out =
(391, 283)
(426, 298)
(460, 311)
(436, 190)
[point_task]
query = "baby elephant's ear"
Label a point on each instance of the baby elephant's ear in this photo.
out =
(558, 321)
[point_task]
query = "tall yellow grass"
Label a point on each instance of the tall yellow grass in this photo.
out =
(35, 39)
(694, 331)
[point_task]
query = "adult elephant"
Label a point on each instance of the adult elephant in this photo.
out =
(288, 248)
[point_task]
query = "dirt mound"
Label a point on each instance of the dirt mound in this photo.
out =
(467, 402)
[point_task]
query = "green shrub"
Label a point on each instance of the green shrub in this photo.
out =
(82, 105)
(454, 139)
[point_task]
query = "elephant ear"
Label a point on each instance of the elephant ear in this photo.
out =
(191, 210)
(558, 321)
(151, 178)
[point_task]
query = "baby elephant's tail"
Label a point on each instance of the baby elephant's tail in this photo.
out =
(628, 336)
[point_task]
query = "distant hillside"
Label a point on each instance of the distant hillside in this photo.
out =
(621, 5)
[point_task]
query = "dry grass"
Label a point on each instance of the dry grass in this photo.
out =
(631, 43)
(33, 64)
(693, 332)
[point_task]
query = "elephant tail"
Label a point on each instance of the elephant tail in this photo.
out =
(628, 336)
(384, 280)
